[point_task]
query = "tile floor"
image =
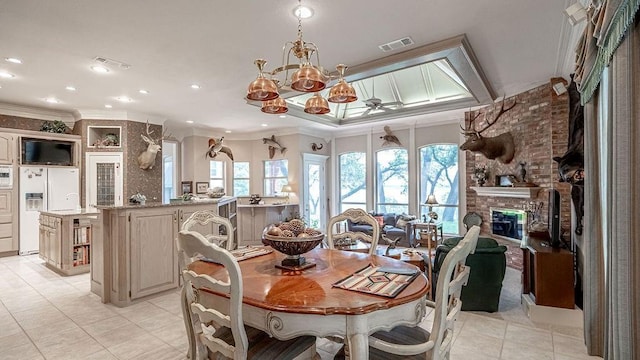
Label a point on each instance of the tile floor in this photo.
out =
(47, 316)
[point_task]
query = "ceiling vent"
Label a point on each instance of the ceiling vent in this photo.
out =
(396, 44)
(112, 63)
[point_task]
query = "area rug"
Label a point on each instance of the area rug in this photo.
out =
(513, 253)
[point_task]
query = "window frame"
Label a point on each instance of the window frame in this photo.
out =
(377, 204)
(222, 178)
(342, 205)
(275, 178)
(235, 178)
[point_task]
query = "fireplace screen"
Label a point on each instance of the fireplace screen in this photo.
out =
(508, 223)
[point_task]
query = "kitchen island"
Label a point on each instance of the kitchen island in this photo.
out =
(134, 252)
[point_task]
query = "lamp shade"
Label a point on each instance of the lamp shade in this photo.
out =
(308, 79)
(275, 106)
(316, 105)
(342, 93)
(286, 189)
(431, 200)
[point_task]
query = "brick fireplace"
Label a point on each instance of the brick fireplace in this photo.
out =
(539, 125)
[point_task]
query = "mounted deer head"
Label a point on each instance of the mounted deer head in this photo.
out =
(147, 158)
(499, 147)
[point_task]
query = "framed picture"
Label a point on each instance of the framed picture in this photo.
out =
(187, 187)
(505, 180)
(201, 187)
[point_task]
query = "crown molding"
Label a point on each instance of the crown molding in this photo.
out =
(36, 113)
(94, 114)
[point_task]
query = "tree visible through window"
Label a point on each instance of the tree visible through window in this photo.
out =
(439, 176)
(392, 181)
(241, 178)
(353, 181)
(276, 173)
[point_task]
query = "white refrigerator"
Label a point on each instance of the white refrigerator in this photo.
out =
(44, 189)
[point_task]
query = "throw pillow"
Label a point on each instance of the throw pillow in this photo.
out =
(401, 223)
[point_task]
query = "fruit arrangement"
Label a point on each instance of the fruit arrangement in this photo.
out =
(294, 228)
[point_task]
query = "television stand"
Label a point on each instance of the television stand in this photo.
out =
(547, 274)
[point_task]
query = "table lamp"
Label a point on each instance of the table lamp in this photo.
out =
(286, 189)
(431, 201)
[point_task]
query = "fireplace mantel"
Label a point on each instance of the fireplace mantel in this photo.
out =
(510, 192)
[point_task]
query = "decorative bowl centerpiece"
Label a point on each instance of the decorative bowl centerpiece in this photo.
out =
(292, 239)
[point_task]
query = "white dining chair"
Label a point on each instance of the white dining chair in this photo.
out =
(404, 342)
(204, 221)
(355, 216)
(220, 333)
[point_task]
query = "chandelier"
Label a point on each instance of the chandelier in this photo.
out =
(306, 77)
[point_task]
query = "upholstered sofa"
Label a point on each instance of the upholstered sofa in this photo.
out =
(393, 227)
(488, 266)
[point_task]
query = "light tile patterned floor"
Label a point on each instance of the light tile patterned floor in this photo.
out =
(47, 316)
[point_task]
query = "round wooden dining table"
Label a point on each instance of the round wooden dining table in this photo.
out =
(287, 304)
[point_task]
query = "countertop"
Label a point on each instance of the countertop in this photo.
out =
(264, 205)
(157, 204)
(90, 211)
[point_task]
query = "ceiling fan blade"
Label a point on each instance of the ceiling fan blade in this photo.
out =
(393, 103)
(366, 112)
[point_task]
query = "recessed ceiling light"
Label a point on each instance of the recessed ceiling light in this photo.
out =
(108, 106)
(6, 75)
(124, 99)
(228, 131)
(13, 60)
(303, 12)
(100, 69)
(189, 121)
(195, 86)
(52, 100)
(71, 88)
(283, 116)
(143, 91)
(264, 125)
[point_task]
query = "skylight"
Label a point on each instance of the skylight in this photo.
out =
(431, 78)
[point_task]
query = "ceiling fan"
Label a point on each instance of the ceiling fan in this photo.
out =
(374, 103)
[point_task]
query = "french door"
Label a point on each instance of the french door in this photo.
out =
(314, 203)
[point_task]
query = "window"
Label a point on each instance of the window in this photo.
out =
(439, 176)
(241, 178)
(392, 181)
(353, 181)
(216, 174)
(276, 173)
(170, 170)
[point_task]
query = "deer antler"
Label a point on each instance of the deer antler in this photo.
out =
(468, 130)
(500, 113)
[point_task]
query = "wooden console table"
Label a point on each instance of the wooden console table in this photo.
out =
(431, 227)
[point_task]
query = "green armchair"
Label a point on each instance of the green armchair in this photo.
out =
(488, 266)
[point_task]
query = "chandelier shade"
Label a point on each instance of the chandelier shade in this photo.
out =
(316, 105)
(275, 106)
(262, 89)
(306, 78)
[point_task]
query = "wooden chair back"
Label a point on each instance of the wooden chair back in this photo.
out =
(355, 216)
(190, 245)
(448, 303)
(215, 228)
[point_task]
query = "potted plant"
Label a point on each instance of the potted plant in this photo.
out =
(480, 174)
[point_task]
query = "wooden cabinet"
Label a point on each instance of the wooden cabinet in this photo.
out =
(547, 273)
(8, 225)
(153, 251)
(65, 240)
(254, 218)
(134, 254)
(7, 147)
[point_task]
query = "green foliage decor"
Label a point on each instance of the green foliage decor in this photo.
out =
(56, 126)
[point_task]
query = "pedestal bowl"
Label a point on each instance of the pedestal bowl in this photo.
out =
(293, 248)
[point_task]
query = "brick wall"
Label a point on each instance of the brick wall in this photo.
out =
(539, 125)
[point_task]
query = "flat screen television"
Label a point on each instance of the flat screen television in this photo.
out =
(46, 152)
(554, 219)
